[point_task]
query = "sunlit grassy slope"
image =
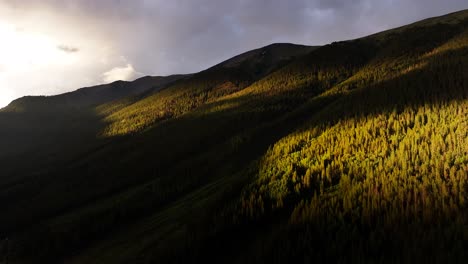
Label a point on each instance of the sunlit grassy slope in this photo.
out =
(356, 151)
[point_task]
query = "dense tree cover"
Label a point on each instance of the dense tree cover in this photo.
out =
(385, 163)
(204, 87)
(355, 152)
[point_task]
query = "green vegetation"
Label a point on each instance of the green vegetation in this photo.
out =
(356, 151)
(390, 168)
(204, 87)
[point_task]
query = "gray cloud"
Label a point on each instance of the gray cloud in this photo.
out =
(68, 49)
(160, 37)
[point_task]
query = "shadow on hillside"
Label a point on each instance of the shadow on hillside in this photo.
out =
(108, 186)
(37, 148)
(434, 83)
(29, 137)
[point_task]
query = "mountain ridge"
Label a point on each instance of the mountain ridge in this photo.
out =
(95, 95)
(141, 85)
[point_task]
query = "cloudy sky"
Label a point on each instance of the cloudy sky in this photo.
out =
(53, 46)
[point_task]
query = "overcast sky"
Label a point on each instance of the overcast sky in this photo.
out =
(53, 46)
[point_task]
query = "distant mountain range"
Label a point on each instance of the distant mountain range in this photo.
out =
(355, 151)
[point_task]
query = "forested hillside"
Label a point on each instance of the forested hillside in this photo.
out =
(356, 151)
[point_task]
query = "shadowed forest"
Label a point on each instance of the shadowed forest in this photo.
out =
(352, 152)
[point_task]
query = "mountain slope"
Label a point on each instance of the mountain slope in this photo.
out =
(64, 143)
(388, 175)
(225, 78)
(354, 151)
(44, 129)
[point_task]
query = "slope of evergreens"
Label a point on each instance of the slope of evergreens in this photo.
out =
(384, 168)
(356, 151)
(204, 87)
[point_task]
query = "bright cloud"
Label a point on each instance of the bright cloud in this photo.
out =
(6, 96)
(23, 55)
(49, 54)
(125, 73)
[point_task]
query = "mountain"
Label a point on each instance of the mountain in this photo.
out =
(92, 96)
(350, 152)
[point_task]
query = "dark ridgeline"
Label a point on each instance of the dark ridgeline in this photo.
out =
(355, 151)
